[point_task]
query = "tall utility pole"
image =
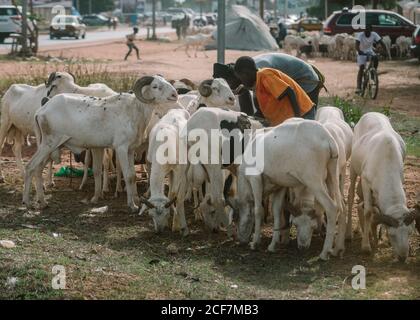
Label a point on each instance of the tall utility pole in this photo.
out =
(286, 5)
(25, 50)
(221, 25)
(262, 9)
(154, 20)
(275, 11)
(326, 9)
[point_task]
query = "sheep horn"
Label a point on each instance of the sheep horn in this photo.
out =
(51, 78)
(74, 77)
(294, 211)
(205, 88)
(386, 220)
(410, 217)
(238, 89)
(170, 202)
(188, 82)
(147, 203)
(229, 203)
(138, 86)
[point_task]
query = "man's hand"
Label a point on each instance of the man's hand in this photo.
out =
(289, 92)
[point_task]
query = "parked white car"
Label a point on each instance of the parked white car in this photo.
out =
(10, 21)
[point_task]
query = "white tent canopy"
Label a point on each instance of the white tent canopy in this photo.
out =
(247, 31)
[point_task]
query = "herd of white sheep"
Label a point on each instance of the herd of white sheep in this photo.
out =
(340, 46)
(302, 173)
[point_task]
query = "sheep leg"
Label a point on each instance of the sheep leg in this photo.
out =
(106, 164)
(277, 206)
(97, 157)
(118, 187)
(4, 129)
(321, 195)
(50, 182)
(257, 190)
(367, 210)
(34, 166)
(85, 169)
(186, 50)
(129, 174)
(350, 200)
(17, 151)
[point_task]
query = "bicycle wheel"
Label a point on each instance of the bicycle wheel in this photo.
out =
(365, 82)
(373, 84)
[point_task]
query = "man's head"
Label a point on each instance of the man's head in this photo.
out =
(368, 30)
(246, 70)
(135, 30)
(225, 71)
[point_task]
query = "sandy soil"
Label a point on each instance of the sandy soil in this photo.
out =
(399, 80)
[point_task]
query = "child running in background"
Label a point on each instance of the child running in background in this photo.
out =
(130, 43)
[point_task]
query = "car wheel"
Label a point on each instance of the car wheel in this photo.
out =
(51, 37)
(76, 37)
(84, 36)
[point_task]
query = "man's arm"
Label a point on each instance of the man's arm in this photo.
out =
(289, 92)
(381, 42)
(358, 48)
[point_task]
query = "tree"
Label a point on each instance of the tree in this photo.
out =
(97, 6)
(32, 28)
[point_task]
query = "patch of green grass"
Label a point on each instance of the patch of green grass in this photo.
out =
(407, 126)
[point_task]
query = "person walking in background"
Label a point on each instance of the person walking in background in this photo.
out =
(130, 43)
(184, 25)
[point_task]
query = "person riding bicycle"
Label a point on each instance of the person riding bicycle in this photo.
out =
(364, 47)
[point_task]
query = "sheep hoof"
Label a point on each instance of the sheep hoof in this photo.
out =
(253, 245)
(272, 247)
(50, 185)
(94, 200)
(42, 204)
(366, 249)
(324, 256)
(133, 209)
(185, 232)
(338, 252)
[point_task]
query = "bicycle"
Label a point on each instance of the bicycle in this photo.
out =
(370, 80)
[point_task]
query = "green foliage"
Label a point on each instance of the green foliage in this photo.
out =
(97, 6)
(352, 113)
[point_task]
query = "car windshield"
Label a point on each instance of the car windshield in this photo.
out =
(8, 12)
(69, 20)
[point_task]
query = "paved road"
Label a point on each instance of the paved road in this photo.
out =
(97, 36)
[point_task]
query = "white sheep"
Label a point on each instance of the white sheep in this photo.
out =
(197, 41)
(378, 154)
(77, 122)
(20, 103)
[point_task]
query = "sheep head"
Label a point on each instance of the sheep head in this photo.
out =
(216, 93)
(154, 89)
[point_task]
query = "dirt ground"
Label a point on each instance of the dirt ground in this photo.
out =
(117, 255)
